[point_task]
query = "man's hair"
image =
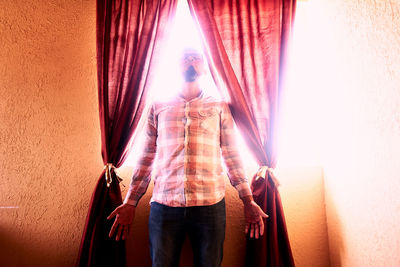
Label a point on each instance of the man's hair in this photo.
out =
(192, 50)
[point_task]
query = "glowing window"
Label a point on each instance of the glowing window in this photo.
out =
(301, 133)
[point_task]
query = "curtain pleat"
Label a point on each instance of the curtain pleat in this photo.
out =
(246, 45)
(129, 37)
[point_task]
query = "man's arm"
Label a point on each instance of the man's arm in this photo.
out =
(142, 173)
(231, 156)
(125, 213)
(253, 213)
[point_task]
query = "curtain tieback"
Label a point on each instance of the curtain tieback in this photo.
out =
(109, 167)
(262, 173)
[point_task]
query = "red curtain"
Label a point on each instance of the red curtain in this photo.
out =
(129, 34)
(246, 43)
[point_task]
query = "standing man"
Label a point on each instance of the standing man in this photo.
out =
(186, 138)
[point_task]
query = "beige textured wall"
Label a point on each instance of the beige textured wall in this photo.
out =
(50, 147)
(303, 200)
(49, 130)
(360, 59)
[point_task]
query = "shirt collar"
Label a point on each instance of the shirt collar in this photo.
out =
(200, 96)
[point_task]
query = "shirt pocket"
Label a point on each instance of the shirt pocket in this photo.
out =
(208, 120)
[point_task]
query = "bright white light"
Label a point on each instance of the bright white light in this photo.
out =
(183, 33)
(302, 118)
(167, 80)
(166, 83)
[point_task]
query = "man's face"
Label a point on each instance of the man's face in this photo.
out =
(192, 65)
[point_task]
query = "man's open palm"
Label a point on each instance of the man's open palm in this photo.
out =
(124, 215)
(254, 219)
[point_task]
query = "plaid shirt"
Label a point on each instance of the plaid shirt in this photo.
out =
(186, 140)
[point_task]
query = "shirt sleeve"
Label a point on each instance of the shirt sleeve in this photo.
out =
(142, 171)
(231, 155)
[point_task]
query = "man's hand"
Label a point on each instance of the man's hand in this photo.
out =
(254, 218)
(124, 214)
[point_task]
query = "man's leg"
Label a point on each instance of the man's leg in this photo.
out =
(207, 233)
(167, 233)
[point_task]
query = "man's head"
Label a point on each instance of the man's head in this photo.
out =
(192, 64)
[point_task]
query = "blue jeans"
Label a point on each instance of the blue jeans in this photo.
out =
(205, 226)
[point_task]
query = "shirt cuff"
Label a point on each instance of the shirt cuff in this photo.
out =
(244, 190)
(130, 199)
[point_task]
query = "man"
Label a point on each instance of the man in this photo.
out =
(186, 137)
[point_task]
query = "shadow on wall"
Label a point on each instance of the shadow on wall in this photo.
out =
(303, 201)
(335, 231)
(14, 252)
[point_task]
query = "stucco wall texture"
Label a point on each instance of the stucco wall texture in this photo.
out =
(49, 130)
(360, 49)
